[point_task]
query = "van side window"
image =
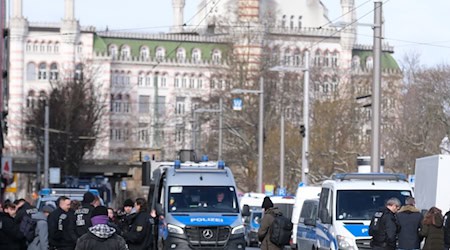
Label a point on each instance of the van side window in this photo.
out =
(306, 211)
(325, 205)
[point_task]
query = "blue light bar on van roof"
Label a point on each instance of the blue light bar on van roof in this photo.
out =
(370, 176)
(45, 191)
(221, 165)
(177, 164)
(205, 158)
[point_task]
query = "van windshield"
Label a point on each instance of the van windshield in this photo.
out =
(209, 199)
(362, 204)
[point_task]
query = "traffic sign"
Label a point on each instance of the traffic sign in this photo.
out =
(282, 191)
(237, 104)
(7, 167)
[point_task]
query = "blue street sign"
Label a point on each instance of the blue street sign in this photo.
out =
(146, 158)
(282, 191)
(237, 104)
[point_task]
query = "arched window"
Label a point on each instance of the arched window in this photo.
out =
(317, 56)
(196, 55)
(125, 52)
(144, 53)
(118, 103)
(49, 47)
(127, 78)
(31, 71)
(181, 54)
(160, 53)
(35, 46)
(283, 22)
(292, 23)
(141, 79)
(355, 62)
(184, 81)
(326, 59)
(369, 62)
(42, 47)
(78, 72)
(287, 57)
(112, 50)
(80, 48)
(300, 22)
(334, 59)
(30, 99)
(56, 47)
(297, 58)
(126, 103)
(42, 75)
(177, 83)
(148, 79)
(53, 71)
(29, 46)
(164, 80)
(216, 56)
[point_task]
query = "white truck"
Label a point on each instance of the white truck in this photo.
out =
(432, 183)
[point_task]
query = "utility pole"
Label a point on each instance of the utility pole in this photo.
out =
(220, 128)
(261, 135)
(376, 88)
(282, 149)
(46, 144)
(305, 146)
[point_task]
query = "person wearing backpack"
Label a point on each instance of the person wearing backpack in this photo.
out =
(265, 231)
(23, 218)
(384, 227)
(40, 241)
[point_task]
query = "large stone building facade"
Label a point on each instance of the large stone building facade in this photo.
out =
(154, 82)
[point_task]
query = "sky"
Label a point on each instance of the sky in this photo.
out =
(411, 26)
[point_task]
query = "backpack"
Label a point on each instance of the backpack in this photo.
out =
(281, 229)
(28, 227)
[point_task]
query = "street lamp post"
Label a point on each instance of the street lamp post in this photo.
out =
(202, 110)
(261, 127)
(305, 141)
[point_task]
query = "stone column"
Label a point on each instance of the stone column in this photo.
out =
(178, 15)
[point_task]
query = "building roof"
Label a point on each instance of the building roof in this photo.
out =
(387, 60)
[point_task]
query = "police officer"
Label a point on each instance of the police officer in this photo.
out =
(138, 238)
(83, 214)
(60, 230)
(384, 226)
(10, 235)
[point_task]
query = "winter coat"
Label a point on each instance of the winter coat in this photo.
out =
(83, 219)
(386, 236)
(25, 210)
(99, 237)
(410, 220)
(264, 230)
(60, 229)
(434, 234)
(10, 235)
(447, 229)
(40, 241)
(139, 236)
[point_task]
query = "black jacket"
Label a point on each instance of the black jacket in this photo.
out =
(410, 220)
(60, 229)
(101, 237)
(447, 229)
(83, 219)
(139, 235)
(10, 236)
(25, 210)
(385, 237)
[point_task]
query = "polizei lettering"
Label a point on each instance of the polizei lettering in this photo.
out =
(216, 220)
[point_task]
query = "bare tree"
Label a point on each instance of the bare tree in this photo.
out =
(76, 109)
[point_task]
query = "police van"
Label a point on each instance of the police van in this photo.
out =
(347, 204)
(200, 205)
(49, 196)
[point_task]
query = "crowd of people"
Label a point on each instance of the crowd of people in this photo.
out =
(76, 225)
(405, 227)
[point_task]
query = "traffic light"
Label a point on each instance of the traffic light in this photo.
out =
(302, 130)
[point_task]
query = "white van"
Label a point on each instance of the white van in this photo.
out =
(253, 200)
(303, 193)
(347, 204)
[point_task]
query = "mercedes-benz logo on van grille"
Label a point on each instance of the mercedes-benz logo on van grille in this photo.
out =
(208, 234)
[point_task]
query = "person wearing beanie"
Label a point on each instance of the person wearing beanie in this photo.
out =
(269, 216)
(40, 241)
(139, 235)
(83, 214)
(126, 216)
(100, 235)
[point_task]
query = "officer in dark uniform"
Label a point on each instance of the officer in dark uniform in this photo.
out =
(139, 236)
(384, 227)
(10, 235)
(83, 214)
(60, 231)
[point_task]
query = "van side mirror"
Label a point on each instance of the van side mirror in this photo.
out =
(310, 222)
(324, 216)
(159, 210)
(246, 210)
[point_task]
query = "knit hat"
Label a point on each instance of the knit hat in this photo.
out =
(47, 209)
(99, 215)
(128, 203)
(88, 197)
(267, 203)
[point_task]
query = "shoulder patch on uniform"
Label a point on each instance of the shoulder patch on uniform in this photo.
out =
(63, 216)
(139, 228)
(378, 214)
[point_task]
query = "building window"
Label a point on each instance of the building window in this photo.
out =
(179, 107)
(317, 58)
(287, 57)
(160, 54)
(117, 107)
(42, 47)
(141, 79)
(283, 22)
(179, 133)
(164, 81)
(42, 74)
(78, 72)
(297, 58)
(161, 106)
(184, 81)
(355, 62)
(292, 23)
(53, 71)
(79, 48)
(326, 59)
(144, 104)
(191, 83)
(300, 22)
(144, 53)
(216, 56)
(126, 79)
(334, 59)
(143, 132)
(49, 47)
(177, 82)
(126, 104)
(199, 83)
(181, 54)
(196, 55)
(56, 48)
(125, 52)
(31, 71)
(113, 50)
(29, 46)
(148, 80)
(369, 62)
(30, 99)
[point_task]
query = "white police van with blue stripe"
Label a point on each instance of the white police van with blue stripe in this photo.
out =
(347, 204)
(200, 205)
